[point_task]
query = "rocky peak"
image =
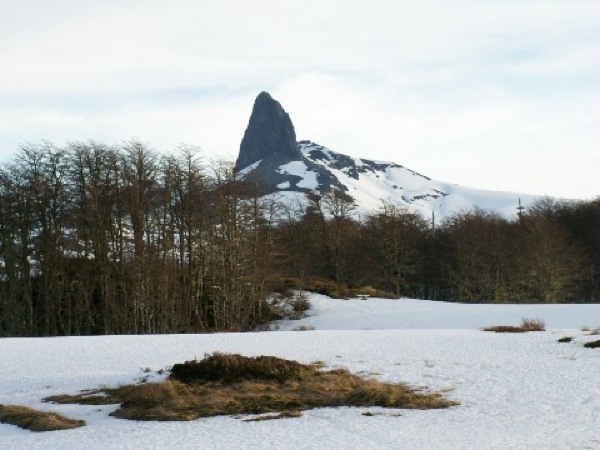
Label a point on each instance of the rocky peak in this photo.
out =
(270, 134)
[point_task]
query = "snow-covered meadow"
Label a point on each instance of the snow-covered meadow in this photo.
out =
(517, 391)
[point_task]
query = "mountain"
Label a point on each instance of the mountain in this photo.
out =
(269, 152)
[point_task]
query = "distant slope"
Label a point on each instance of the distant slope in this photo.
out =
(327, 313)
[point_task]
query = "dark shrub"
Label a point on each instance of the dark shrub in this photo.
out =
(234, 368)
(592, 344)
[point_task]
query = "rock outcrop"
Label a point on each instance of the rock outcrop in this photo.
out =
(270, 134)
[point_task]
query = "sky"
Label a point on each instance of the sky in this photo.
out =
(501, 95)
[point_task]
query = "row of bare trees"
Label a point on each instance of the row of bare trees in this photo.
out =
(474, 256)
(97, 239)
(102, 240)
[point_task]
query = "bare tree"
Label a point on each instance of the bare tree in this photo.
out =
(396, 237)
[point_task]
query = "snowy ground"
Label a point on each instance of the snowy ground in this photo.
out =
(517, 391)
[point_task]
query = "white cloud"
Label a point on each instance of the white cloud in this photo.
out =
(499, 95)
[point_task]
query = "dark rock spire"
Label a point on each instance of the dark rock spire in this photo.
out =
(270, 134)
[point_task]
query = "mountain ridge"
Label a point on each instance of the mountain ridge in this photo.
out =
(292, 171)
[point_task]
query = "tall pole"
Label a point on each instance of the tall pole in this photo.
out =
(520, 209)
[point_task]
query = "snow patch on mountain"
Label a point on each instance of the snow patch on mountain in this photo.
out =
(248, 169)
(299, 169)
(371, 182)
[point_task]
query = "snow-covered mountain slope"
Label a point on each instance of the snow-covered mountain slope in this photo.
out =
(269, 153)
(370, 182)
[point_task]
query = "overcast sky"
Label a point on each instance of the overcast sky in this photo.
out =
(494, 94)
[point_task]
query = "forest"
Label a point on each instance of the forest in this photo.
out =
(102, 239)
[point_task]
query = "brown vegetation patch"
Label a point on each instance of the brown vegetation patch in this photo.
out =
(565, 339)
(223, 384)
(371, 414)
(592, 344)
(91, 397)
(282, 415)
(230, 368)
(334, 289)
(288, 304)
(526, 325)
(35, 420)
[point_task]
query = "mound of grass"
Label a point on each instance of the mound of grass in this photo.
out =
(592, 344)
(35, 420)
(223, 384)
(526, 325)
(334, 289)
(565, 339)
(230, 368)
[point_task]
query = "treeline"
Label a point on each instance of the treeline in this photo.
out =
(548, 254)
(104, 240)
(96, 239)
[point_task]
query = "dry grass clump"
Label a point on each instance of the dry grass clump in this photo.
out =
(304, 328)
(282, 415)
(345, 292)
(565, 339)
(592, 344)
(591, 331)
(231, 368)
(92, 397)
(526, 325)
(222, 384)
(334, 289)
(35, 420)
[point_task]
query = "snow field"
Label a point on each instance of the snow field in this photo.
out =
(517, 391)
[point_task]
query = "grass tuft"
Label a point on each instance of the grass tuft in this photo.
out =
(526, 325)
(592, 344)
(565, 339)
(304, 328)
(533, 325)
(282, 415)
(92, 397)
(35, 420)
(226, 384)
(232, 368)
